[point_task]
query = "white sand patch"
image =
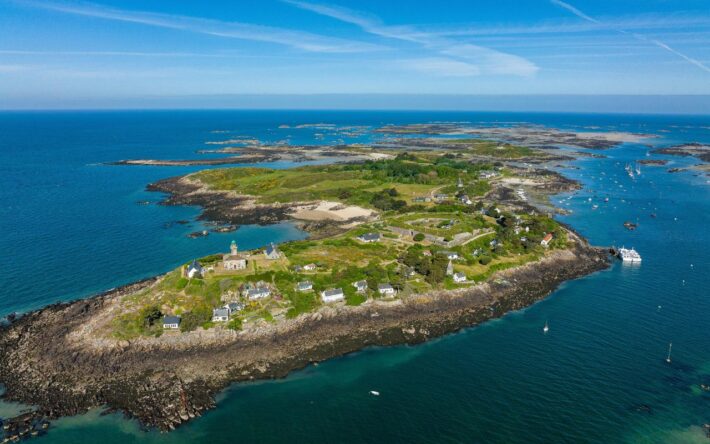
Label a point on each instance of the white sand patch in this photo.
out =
(326, 210)
(378, 156)
(519, 181)
(613, 136)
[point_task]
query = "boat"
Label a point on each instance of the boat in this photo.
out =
(546, 328)
(629, 255)
(630, 225)
(638, 169)
(629, 170)
(668, 359)
(374, 393)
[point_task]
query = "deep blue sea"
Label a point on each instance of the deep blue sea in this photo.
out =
(71, 226)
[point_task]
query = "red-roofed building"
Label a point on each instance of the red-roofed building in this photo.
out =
(546, 240)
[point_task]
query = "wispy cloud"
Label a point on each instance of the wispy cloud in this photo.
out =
(439, 66)
(293, 38)
(637, 36)
(21, 52)
(637, 22)
(11, 68)
(479, 59)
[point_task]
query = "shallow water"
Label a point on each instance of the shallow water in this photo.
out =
(72, 227)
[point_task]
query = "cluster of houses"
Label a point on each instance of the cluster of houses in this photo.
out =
(260, 290)
(223, 314)
(232, 261)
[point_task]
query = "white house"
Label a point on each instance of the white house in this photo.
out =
(546, 240)
(233, 261)
(459, 277)
(333, 295)
(360, 286)
(258, 293)
(369, 237)
(310, 267)
(194, 270)
(305, 286)
(271, 252)
(234, 307)
(220, 315)
(171, 322)
(450, 255)
(386, 290)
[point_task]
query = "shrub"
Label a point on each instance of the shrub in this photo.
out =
(193, 319)
(419, 237)
(484, 260)
(235, 324)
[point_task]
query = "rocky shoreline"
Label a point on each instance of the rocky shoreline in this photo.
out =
(49, 358)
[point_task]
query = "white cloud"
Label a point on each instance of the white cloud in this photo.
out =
(487, 60)
(296, 39)
(440, 66)
(11, 68)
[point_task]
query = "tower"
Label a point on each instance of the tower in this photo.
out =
(233, 248)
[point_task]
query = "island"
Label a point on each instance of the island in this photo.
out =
(404, 246)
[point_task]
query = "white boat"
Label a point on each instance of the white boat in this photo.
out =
(374, 393)
(546, 328)
(638, 169)
(668, 359)
(629, 255)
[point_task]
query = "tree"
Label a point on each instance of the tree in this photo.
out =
(150, 315)
(418, 237)
(193, 319)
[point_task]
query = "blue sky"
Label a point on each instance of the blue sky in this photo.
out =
(110, 51)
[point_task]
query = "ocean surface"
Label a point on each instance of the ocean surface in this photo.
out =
(71, 226)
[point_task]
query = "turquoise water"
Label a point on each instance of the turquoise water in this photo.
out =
(76, 226)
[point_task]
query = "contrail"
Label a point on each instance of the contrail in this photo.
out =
(640, 37)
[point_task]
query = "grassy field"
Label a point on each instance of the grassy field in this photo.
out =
(494, 149)
(358, 185)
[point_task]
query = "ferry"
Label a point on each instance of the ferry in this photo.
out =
(629, 255)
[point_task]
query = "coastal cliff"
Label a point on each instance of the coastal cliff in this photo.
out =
(50, 359)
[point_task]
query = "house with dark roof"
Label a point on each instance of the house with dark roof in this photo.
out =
(234, 307)
(369, 237)
(360, 286)
(171, 322)
(386, 290)
(271, 252)
(194, 270)
(451, 255)
(333, 295)
(220, 315)
(305, 286)
(257, 293)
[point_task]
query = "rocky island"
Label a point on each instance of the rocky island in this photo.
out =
(402, 249)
